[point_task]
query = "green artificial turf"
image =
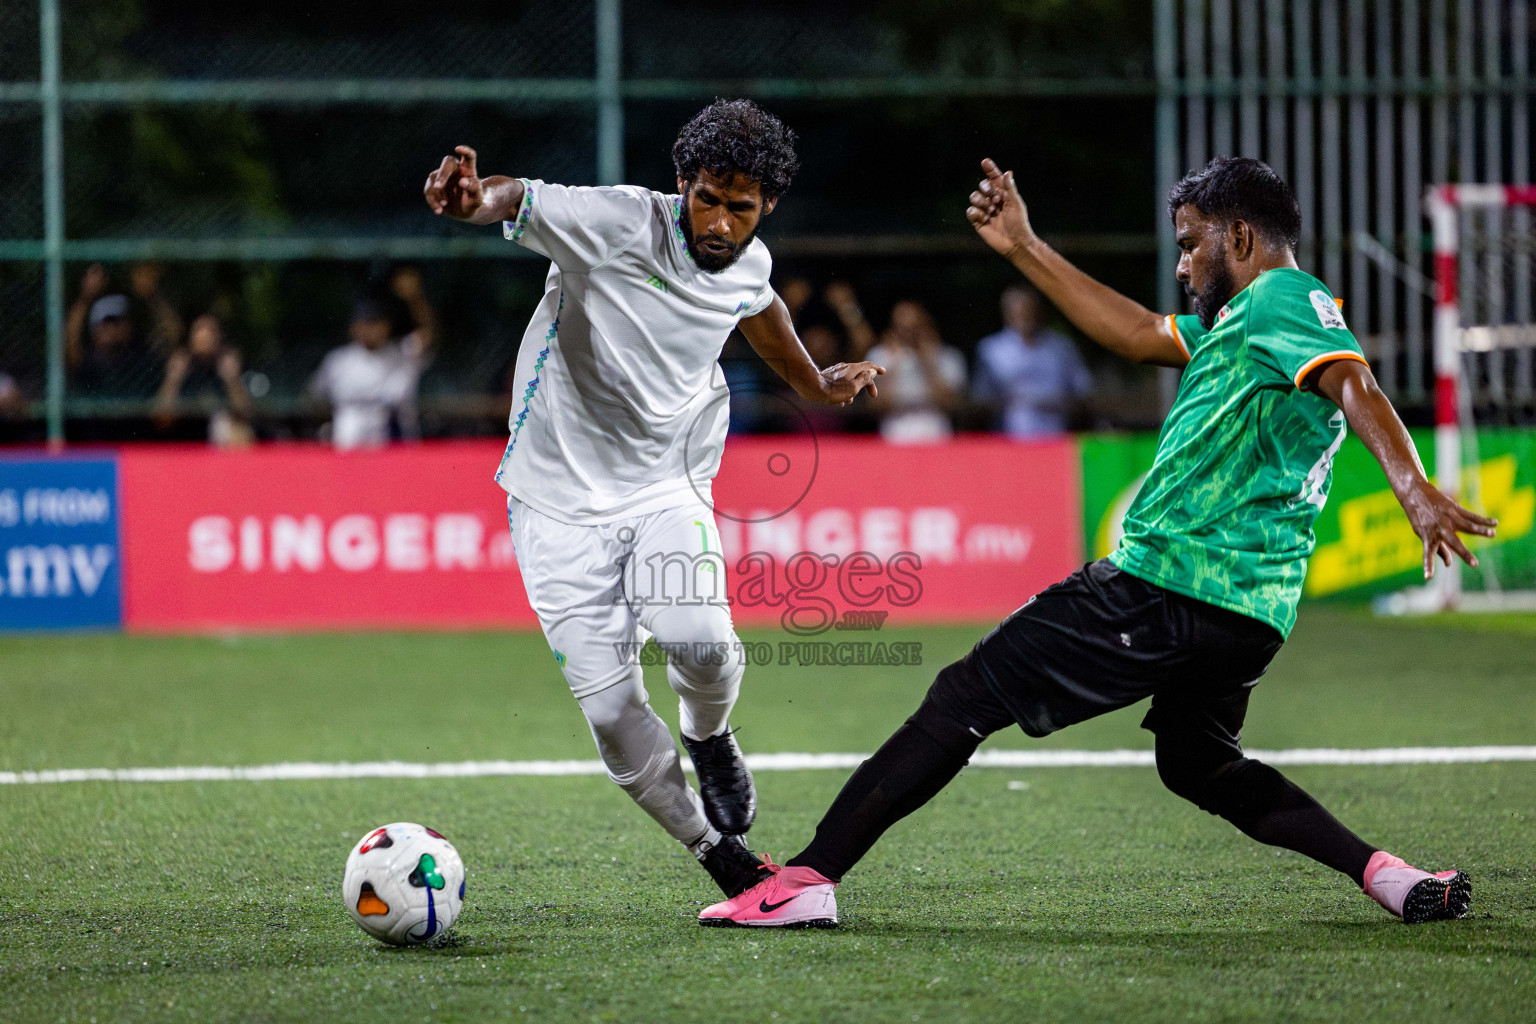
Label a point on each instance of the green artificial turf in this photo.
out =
(1053, 894)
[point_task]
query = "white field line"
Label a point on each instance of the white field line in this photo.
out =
(758, 762)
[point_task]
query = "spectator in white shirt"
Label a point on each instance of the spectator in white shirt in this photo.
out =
(1033, 375)
(371, 383)
(924, 378)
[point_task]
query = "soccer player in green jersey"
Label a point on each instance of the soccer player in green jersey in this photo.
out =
(1202, 591)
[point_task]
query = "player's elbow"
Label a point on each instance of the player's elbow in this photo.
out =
(1146, 351)
(1148, 342)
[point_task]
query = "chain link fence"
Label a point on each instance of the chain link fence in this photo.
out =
(264, 164)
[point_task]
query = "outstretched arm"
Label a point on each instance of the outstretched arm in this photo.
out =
(456, 189)
(1436, 518)
(773, 337)
(92, 285)
(1122, 325)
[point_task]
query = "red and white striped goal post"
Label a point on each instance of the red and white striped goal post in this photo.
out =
(1444, 204)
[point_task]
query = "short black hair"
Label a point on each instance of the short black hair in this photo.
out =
(737, 137)
(371, 307)
(1241, 188)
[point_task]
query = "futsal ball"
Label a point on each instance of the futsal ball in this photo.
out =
(404, 884)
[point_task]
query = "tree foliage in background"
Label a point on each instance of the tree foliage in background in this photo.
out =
(197, 165)
(1011, 38)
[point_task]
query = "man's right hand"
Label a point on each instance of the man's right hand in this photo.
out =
(1122, 325)
(997, 211)
(455, 187)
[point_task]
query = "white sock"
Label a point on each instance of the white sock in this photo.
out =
(706, 842)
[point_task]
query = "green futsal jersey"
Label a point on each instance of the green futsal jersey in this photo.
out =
(1245, 458)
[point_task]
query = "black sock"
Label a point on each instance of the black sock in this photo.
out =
(1276, 811)
(906, 772)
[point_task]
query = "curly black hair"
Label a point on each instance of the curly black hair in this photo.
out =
(737, 137)
(1241, 188)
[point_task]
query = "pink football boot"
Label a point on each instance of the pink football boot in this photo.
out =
(1413, 895)
(795, 897)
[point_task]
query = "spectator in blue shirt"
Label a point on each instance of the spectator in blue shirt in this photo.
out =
(1033, 376)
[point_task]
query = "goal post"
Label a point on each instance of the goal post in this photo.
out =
(1485, 367)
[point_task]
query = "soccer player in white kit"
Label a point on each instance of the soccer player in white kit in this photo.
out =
(617, 433)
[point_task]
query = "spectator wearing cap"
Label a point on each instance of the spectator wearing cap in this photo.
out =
(1032, 376)
(101, 347)
(371, 382)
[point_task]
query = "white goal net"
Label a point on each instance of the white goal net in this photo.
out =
(1485, 390)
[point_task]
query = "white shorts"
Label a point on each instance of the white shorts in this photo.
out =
(601, 591)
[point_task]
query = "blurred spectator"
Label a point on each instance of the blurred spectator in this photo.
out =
(753, 405)
(13, 404)
(1033, 375)
(843, 302)
(103, 351)
(206, 376)
(761, 401)
(824, 347)
(162, 324)
(822, 344)
(797, 293)
(371, 382)
(924, 378)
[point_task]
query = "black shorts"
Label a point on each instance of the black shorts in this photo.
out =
(1102, 639)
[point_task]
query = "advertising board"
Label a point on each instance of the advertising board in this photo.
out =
(60, 561)
(848, 533)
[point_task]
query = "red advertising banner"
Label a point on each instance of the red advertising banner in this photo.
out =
(961, 531)
(302, 537)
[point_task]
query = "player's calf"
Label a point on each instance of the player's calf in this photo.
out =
(1417, 896)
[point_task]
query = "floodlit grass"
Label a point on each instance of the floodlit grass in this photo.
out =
(1082, 894)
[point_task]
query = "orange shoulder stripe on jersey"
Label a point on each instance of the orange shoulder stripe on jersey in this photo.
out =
(1173, 328)
(1326, 357)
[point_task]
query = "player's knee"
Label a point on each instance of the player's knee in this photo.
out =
(1185, 775)
(608, 710)
(1246, 790)
(634, 744)
(711, 670)
(1238, 789)
(701, 645)
(958, 709)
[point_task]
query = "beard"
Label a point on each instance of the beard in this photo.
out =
(709, 262)
(1216, 293)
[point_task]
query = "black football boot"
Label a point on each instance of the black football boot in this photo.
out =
(734, 868)
(725, 784)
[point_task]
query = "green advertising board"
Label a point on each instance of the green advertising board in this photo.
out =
(1364, 543)
(1114, 465)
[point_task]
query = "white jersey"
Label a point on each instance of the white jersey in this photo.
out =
(621, 408)
(367, 385)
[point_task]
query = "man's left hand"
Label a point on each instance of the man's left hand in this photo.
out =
(1438, 520)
